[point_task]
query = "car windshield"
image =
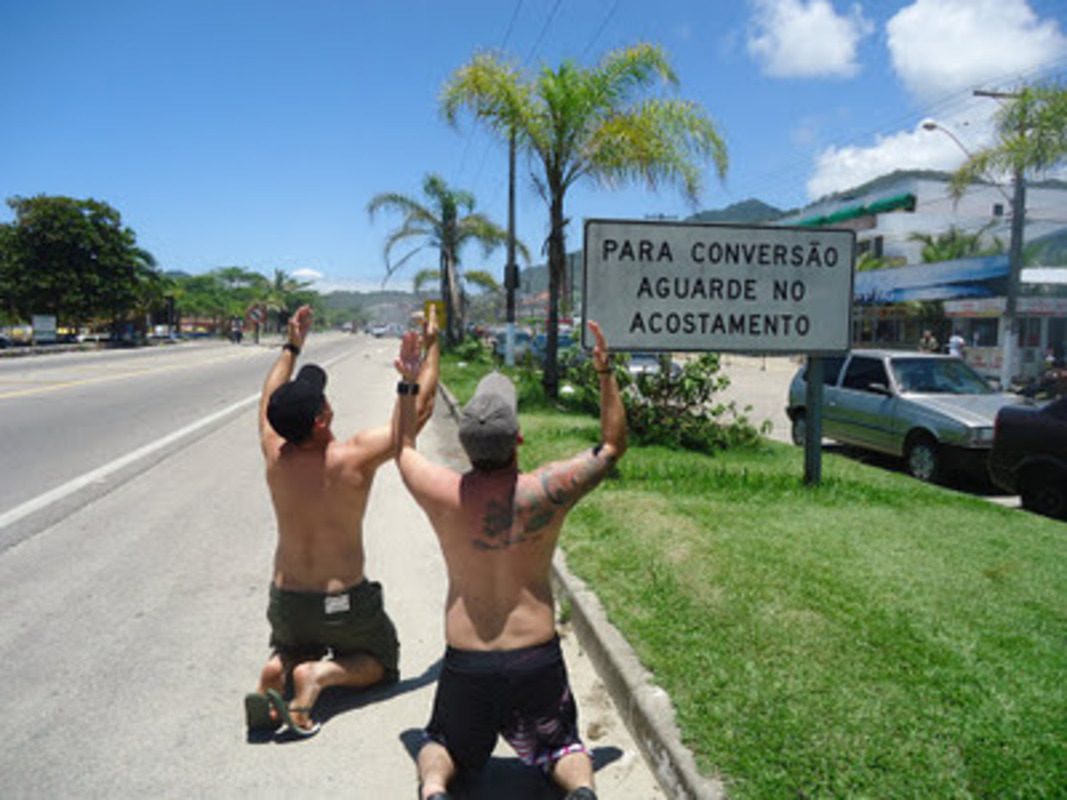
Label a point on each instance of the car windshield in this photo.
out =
(938, 376)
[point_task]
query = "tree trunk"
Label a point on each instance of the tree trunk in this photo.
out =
(557, 263)
(446, 298)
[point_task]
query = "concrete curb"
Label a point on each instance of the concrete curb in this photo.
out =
(645, 708)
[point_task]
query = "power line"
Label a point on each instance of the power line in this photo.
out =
(544, 30)
(511, 25)
(470, 137)
(600, 30)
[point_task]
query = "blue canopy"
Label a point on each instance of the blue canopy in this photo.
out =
(946, 280)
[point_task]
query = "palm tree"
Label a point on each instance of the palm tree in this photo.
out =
(955, 243)
(1031, 139)
(446, 223)
(284, 295)
(574, 123)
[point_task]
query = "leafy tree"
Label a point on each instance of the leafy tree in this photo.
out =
(1031, 140)
(868, 263)
(596, 123)
(955, 243)
(673, 409)
(445, 223)
(74, 259)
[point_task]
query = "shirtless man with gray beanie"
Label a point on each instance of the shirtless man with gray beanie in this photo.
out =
(498, 527)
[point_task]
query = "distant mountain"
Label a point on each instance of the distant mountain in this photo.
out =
(352, 300)
(749, 212)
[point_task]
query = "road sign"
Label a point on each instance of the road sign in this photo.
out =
(667, 286)
(256, 314)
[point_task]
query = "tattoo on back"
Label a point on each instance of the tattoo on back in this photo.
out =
(497, 525)
(535, 508)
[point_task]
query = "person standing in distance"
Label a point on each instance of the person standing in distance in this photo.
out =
(498, 527)
(321, 603)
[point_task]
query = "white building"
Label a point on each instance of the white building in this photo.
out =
(887, 211)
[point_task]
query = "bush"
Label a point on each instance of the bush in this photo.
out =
(677, 410)
(472, 350)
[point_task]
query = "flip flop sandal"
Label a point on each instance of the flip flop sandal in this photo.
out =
(284, 714)
(257, 713)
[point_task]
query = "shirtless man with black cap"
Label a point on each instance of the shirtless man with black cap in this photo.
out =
(321, 603)
(497, 527)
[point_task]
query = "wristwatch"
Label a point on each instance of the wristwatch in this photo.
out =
(404, 387)
(292, 348)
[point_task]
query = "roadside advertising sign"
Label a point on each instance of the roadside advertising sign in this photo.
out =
(442, 318)
(44, 328)
(668, 286)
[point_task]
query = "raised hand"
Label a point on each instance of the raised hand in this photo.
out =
(410, 359)
(601, 361)
(299, 325)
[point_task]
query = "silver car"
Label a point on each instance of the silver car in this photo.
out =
(934, 411)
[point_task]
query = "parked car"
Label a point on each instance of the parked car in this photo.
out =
(651, 364)
(1029, 455)
(539, 347)
(523, 343)
(934, 411)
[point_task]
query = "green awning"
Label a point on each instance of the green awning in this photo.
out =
(899, 202)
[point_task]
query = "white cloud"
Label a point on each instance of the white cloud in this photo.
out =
(939, 47)
(806, 38)
(944, 149)
(942, 48)
(307, 275)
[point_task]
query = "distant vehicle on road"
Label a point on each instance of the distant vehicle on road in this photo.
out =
(1029, 456)
(934, 411)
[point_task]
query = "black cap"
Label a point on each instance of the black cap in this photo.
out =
(293, 406)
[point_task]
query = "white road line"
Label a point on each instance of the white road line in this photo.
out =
(100, 473)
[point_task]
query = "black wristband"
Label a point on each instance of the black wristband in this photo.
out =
(292, 348)
(407, 388)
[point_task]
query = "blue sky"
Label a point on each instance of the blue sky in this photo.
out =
(239, 133)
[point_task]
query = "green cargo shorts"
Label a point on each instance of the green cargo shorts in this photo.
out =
(311, 624)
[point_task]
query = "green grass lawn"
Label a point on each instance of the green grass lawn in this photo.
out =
(872, 636)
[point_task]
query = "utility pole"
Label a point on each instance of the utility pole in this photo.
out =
(1010, 326)
(511, 270)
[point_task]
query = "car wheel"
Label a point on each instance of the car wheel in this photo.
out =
(800, 428)
(923, 458)
(1044, 494)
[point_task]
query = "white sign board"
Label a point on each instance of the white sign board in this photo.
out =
(44, 328)
(727, 288)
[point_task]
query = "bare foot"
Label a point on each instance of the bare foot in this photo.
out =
(307, 685)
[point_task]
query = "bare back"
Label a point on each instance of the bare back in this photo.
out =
(320, 493)
(498, 532)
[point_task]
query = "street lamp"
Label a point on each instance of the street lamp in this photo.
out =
(1010, 334)
(931, 125)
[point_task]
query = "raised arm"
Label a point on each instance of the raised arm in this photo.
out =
(612, 412)
(428, 373)
(409, 365)
(282, 370)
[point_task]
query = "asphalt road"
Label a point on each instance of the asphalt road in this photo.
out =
(134, 622)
